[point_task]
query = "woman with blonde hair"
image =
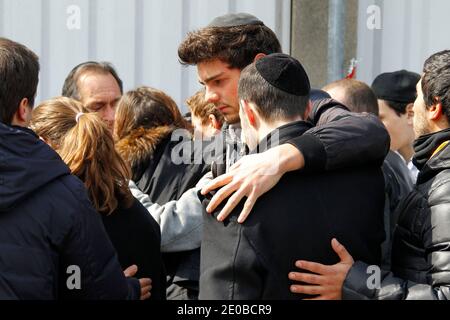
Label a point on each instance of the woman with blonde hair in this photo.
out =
(153, 137)
(85, 144)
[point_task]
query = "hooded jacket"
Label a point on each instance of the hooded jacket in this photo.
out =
(49, 229)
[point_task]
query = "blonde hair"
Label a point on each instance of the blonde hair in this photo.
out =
(87, 147)
(203, 109)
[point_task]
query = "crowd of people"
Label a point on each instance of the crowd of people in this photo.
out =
(267, 189)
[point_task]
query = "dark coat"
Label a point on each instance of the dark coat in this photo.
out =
(295, 220)
(398, 184)
(137, 239)
(421, 244)
(47, 224)
(151, 153)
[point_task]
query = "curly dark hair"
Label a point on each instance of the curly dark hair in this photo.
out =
(236, 46)
(436, 81)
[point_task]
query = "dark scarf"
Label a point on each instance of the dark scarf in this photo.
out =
(426, 145)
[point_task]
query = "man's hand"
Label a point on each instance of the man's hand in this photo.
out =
(146, 283)
(251, 177)
(327, 281)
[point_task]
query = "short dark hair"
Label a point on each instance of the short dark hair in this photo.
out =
(273, 103)
(236, 45)
(359, 97)
(398, 107)
(70, 88)
(436, 81)
(19, 77)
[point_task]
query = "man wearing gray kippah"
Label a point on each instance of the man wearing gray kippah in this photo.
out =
(221, 51)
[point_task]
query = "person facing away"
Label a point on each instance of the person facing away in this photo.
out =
(86, 145)
(302, 213)
(359, 97)
(152, 137)
(396, 92)
(420, 252)
(50, 231)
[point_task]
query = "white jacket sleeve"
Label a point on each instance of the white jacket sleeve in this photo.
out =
(181, 221)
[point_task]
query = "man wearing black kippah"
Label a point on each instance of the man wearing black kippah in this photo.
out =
(300, 216)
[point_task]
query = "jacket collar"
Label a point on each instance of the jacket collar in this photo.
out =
(138, 147)
(431, 154)
(282, 135)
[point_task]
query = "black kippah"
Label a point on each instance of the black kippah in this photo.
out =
(285, 73)
(234, 20)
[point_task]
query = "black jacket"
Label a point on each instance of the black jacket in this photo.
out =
(295, 220)
(164, 169)
(137, 239)
(398, 184)
(421, 243)
(48, 224)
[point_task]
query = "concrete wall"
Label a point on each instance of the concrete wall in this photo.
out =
(140, 37)
(410, 31)
(310, 36)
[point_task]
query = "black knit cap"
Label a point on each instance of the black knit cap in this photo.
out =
(398, 86)
(285, 73)
(235, 20)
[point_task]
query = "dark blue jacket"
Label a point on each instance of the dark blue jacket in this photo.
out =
(47, 225)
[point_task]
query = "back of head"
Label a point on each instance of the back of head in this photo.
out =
(202, 109)
(397, 89)
(70, 88)
(232, 38)
(354, 94)
(86, 145)
(436, 81)
(278, 85)
(19, 77)
(146, 108)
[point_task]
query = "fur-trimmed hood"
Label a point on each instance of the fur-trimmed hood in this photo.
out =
(138, 147)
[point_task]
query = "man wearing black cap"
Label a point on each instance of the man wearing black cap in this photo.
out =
(302, 213)
(220, 51)
(396, 92)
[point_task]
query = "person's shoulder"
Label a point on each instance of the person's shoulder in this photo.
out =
(139, 216)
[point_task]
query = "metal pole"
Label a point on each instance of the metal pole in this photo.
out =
(336, 36)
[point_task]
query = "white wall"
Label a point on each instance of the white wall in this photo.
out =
(411, 30)
(140, 37)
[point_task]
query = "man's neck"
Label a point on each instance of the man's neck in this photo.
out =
(407, 152)
(266, 128)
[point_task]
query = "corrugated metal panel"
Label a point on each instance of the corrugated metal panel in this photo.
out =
(411, 30)
(140, 37)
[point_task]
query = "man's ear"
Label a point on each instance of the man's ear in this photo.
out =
(214, 122)
(410, 113)
(259, 56)
(307, 110)
(249, 113)
(23, 114)
(435, 111)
